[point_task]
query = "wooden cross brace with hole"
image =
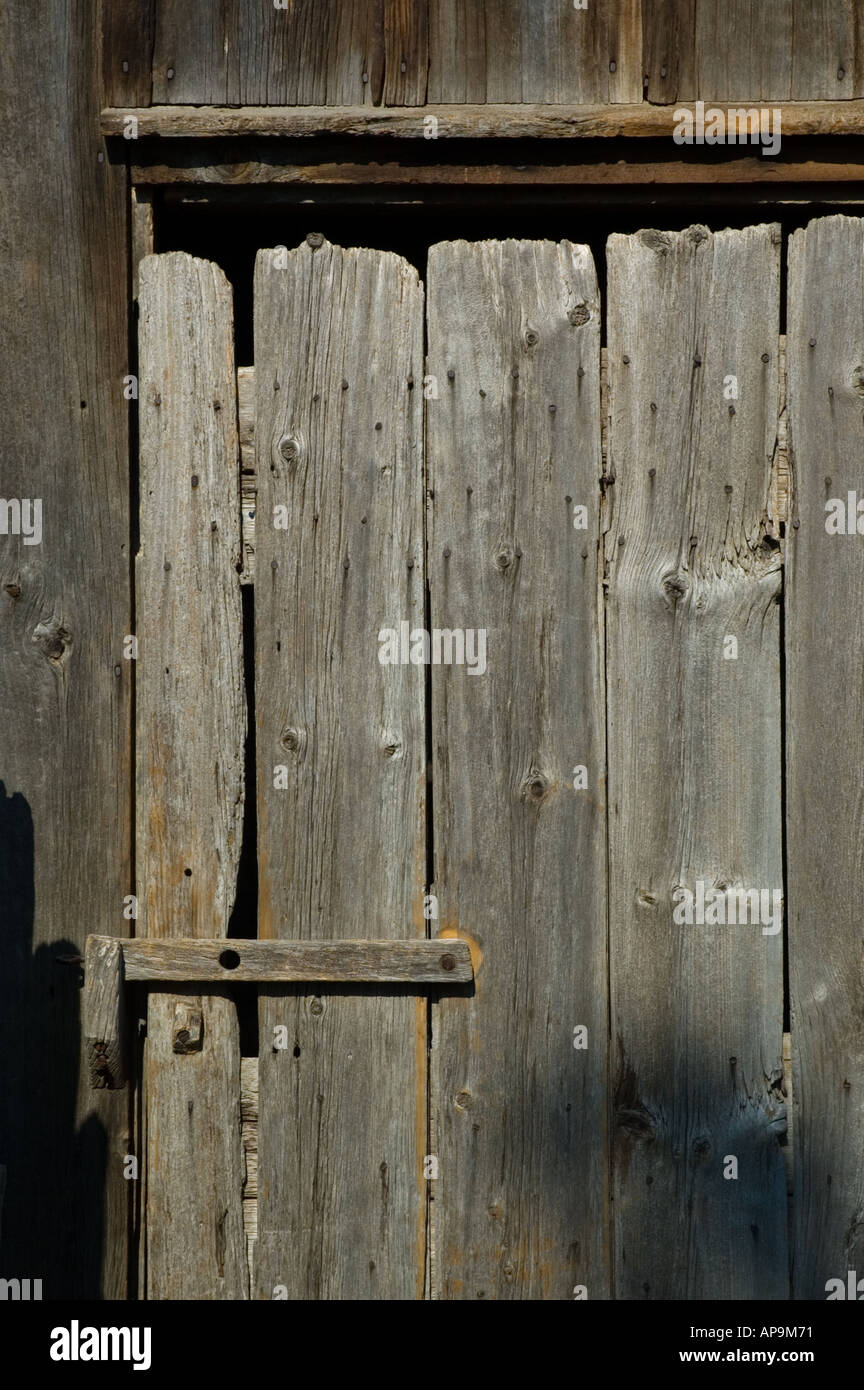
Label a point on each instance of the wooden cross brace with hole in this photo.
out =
(111, 962)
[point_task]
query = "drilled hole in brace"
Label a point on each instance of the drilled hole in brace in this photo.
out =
(229, 960)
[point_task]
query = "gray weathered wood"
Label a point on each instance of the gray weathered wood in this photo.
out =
(189, 785)
(534, 51)
(339, 373)
(719, 50)
(469, 122)
(65, 805)
(694, 763)
(141, 213)
(514, 446)
(105, 1038)
(825, 716)
(306, 52)
(369, 962)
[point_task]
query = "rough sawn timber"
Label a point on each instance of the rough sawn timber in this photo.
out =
(694, 763)
(514, 440)
(190, 725)
(341, 765)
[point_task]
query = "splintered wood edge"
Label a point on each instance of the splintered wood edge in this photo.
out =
(441, 962)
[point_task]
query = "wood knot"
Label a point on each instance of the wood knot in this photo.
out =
(289, 449)
(54, 641)
(291, 739)
(676, 586)
(392, 747)
(531, 338)
(504, 558)
(315, 240)
(579, 314)
(535, 787)
(656, 241)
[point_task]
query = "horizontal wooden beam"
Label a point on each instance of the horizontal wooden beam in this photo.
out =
(461, 122)
(153, 961)
(682, 172)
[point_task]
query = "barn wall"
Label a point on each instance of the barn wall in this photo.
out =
(393, 53)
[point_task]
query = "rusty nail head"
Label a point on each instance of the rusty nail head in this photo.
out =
(448, 962)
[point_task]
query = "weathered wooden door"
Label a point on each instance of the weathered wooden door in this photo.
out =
(516, 682)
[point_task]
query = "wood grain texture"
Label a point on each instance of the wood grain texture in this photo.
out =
(381, 178)
(190, 728)
(742, 50)
(338, 348)
(105, 1038)
(128, 30)
(65, 783)
(520, 1210)
(694, 764)
(470, 122)
(825, 711)
(370, 962)
(305, 52)
(534, 51)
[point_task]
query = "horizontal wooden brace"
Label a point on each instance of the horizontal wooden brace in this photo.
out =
(111, 962)
(153, 960)
(686, 171)
(469, 122)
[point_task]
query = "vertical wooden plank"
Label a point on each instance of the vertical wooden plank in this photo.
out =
(190, 728)
(519, 1102)
(128, 28)
(341, 765)
(545, 51)
(823, 53)
(694, 764)
(743, 50)
(667, 28)
(141, 230)
(825, 714)
(406, 52)
(192, 52)
(65, 785)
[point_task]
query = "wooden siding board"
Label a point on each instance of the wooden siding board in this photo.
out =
(517, 1110)
(825, 714)
(694, 764)
(190, 728)
(339, 443)
(128, 33)
(65, 785)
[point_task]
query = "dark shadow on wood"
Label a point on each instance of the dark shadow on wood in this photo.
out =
(55, 1181)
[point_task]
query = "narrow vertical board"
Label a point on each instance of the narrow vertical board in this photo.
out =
(825, 715)
(542, 51)
(65, 773)
(519, 1106)
(190, 728)
(127, 51)
(693, 679)
(341, 766)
